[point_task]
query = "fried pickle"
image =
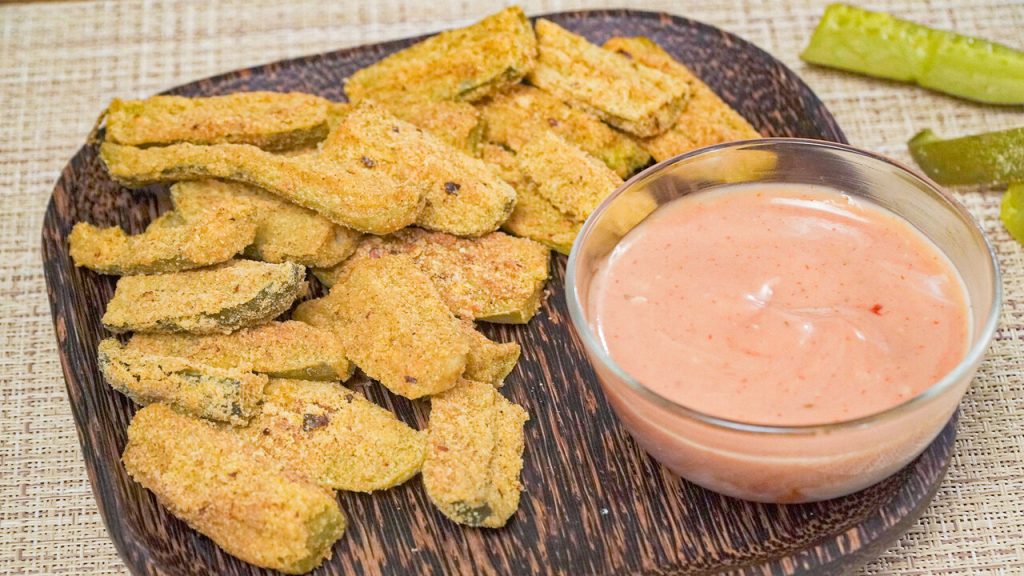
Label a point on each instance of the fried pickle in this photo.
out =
(287, 349)
(457, 124)
(707, 119)
(493, 278)
(462, 195)
(209, 476)
(572, 180)
(341, 188)
(394, 326)
(474, 454)
(222, 298)
(463, 64)
(270, 120)
(534, 216)
(336, 437)
(215, 232)
(487, 360)
(285, 232)
(632, 97)
(516, 116)
(225, 394)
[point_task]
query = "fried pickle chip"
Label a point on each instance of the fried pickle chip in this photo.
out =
(474, 454)
(632, 97)
(342, 189)
(270, 120)
(534, 216)
(287, 349)
(215, 232)
(221, 298)
(487, 360)
(493, 278)
(394, 326)
(707, 119)
(336, 437)
(463, 64)
(573, 181)
(456, 123)
(209, 476)
(285, 232)
(515, 117)
(225, 394)
(462, 195)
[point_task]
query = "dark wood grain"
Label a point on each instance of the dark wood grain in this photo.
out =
(594, 502)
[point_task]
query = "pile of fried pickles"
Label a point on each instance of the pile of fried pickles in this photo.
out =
(394, 201)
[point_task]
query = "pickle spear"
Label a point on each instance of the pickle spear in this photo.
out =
(1011, 211)
(878, 44)
(988, 158)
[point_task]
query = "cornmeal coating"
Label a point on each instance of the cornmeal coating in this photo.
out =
(209, 476)
(514, 117)
(219, 299)
(474, 454)
(336, 437)
(225, 394)
(462, 64)
(270, 120)
(493, 278)
(216, 232)
(573, 181)
(284, 232)
(287, 349)
(630, 96)
(534, 216)
(707, 119)
(462, 196)
(395, 326)
(487, 360)
(342, 189)
(457, 124)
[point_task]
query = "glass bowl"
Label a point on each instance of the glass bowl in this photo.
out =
(787, 464)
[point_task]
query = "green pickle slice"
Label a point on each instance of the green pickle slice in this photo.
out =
(878, 44)
(988, 158)
(1011, 211)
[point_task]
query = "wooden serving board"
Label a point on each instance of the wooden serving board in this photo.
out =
(594, 503)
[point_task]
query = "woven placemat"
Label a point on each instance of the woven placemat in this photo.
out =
(61, 63)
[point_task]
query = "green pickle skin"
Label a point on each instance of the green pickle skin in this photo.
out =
(988, 158)
(878, 44)
(1011, 211)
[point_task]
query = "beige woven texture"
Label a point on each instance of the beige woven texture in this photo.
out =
(60, 63)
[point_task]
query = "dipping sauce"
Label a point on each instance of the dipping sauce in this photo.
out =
(780, 304)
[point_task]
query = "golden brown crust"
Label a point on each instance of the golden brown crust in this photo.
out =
(336, 437)
(707, 119)
(456, 123)
(474, 455)
(210, 477)
(487, 360)
(219, 299)
(634, 98)
(269, 120)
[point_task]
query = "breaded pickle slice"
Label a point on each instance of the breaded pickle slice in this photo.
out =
(287, 349)
(462, 196)
(285, 232)
(534, 216)
(219, 299)
(493, 278)
(462, 64)
(487, 360)
(395, 326)
(225, 394)
(707, 119)
(342, 189)
(171, 243)
(474, 454)
(516, 116)
(269, 120)
(336, 437)
(630, 96)
(209, 476)
(456, 123)
(572, 180)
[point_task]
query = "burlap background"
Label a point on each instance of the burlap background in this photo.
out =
(60, 63)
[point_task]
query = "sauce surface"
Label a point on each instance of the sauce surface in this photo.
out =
(782, 305)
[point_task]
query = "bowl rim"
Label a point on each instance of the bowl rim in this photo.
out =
(597, 353)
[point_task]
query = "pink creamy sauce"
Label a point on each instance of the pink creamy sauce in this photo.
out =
(780, 304)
